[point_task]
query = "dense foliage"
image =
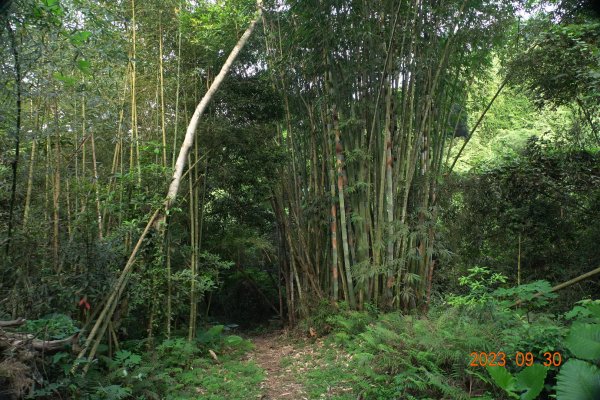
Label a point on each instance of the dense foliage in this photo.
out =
(527, 214)
(405, 182)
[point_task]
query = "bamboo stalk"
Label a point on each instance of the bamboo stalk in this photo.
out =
(96, 188)
(343, 222)
(17, 133)
(334, 251)
(29, 183)
(162, 92)
(158, 216)
(56, 195)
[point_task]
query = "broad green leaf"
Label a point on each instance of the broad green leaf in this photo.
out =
(502, 378)
(595, 307)
(54, 7)
(216, 330)
(66, 79)
(531, 381)
(578, 380)
(233, 340)
(578, 312)
(584, 341)
(79, 38)
(84, 66)
(58, 357)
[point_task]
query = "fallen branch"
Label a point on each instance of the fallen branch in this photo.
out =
(19, 354)
(14, 322)
(47, 346)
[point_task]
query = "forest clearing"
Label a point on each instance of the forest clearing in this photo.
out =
(300, 199)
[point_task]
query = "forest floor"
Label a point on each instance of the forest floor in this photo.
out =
(299, 368)
(270, 352)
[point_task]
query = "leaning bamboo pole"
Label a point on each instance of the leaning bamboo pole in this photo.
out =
(190, 133)
(99, 328)
(563, 285)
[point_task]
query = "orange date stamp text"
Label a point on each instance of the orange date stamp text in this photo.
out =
(520, 359)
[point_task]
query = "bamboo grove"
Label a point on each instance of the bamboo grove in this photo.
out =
(356, 107)
(373, 93)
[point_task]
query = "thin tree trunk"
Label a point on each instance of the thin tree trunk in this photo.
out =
(169, 311)
(334, 251)
(56, 195)
(117, 164)
(389, 196)
(134, 124)
(96, 187)
(69, 215)
(193, 226)
(162, 92)
(17, 135)
(477, 124)
(343, 222)
(29, 182)
(177, 89)
(47, 178)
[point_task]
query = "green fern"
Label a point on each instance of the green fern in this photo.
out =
(112, 392)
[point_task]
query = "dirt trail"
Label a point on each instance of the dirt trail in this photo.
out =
(280, 382)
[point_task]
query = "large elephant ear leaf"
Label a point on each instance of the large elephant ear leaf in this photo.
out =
(584, 341)
(502, 378)
(578, 380)
(530, 381)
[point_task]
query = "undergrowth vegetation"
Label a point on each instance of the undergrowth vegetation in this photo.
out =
(208, 367)
(439, 356)
(495, 342)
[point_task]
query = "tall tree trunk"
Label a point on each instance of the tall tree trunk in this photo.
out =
(340, 179)
(29, 183)
(17, 134)
(56, 194)
(178, 86)
(162, 92)
(135, 140)
(96, 187)
(334, 250)
(32, 158)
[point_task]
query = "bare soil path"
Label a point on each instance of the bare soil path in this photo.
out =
(280, 381)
